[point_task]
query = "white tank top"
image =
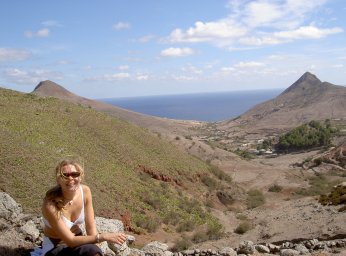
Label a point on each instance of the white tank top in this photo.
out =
(69, 224)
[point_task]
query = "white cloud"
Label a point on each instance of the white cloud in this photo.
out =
(259, 23)
(262, 13)
(122, 25)
(11, 54)
(307, 32)
(51, 23)
(250, 64)
(338, 66)
(228, 69)
(209, 31)
(32, 77)
(192, 69)
(120, 76)
(145, 39)
(177, 52)
(43, 32)
(142, 77)
(183, 78)
(123, 67)
(116, 76)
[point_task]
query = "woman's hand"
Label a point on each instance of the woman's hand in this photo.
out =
(76, 230)
(117, 238)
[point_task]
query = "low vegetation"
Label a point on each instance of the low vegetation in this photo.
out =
(307, 136)
(254, 199)
(37, 132)
(319, 185)
(275, 188)
(243, 227)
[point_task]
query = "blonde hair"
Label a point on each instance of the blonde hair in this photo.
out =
(54, 195)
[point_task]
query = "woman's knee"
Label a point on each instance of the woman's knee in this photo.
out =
(88, 250)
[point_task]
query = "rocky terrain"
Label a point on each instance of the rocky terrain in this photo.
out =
(21, 234)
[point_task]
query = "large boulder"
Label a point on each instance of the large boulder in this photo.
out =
(9, 209)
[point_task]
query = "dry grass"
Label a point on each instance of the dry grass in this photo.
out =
(36, 133)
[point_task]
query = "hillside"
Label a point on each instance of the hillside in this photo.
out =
(305, 100)
(168, 127)
(127, 167)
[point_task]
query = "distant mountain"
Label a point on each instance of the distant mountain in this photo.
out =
(161, 125)
(306, 99)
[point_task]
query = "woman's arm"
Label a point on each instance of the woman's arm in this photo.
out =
(90, 225)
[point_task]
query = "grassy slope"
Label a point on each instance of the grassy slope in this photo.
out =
(36, 133)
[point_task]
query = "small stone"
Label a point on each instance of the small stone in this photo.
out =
(262, 248)
(289, 252)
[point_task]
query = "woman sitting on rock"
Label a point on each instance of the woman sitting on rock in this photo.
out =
(65, 207)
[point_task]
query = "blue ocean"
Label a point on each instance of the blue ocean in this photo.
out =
(209, 107)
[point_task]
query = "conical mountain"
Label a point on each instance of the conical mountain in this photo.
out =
(306, 81)
(306, 99)
(49, 88)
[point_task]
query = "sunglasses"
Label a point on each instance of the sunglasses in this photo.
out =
(70, 174)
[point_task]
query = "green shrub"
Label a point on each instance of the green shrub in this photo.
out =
(313, 134)
(275, 188)
(243, 227)
(215, 231)
(221, 175)
(181, 244)
(241, 217)
(151, 224)
(209, 182)
(255, 198)
(319, 185)
(187, 225)
(172, 218)
(199, 237)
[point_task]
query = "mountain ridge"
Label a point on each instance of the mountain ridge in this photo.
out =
(156, 124)
(306, 99)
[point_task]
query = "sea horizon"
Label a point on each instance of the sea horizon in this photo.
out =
(206, 106)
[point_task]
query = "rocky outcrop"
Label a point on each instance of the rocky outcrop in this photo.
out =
(29, 229)
(158, 176)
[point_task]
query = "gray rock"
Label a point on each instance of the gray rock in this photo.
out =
(188, 252)
(310, 244)
(289, 252)
(168, 253)
(136, 252)
(273, 248)
(105, 249)
(155, 248)
(262, 248)
(9, 209)
(108, 225)
(30, 231)
(227, 251)
(246, 247)
(121, 250)
(320, 246)
(301, 248)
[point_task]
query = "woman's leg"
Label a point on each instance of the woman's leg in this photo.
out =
(83, 250)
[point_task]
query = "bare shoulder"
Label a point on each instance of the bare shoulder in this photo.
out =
(48, 208)
(86, 190)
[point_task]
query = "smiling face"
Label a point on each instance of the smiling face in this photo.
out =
(69, 177)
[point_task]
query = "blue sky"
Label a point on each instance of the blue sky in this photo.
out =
(122, 48)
